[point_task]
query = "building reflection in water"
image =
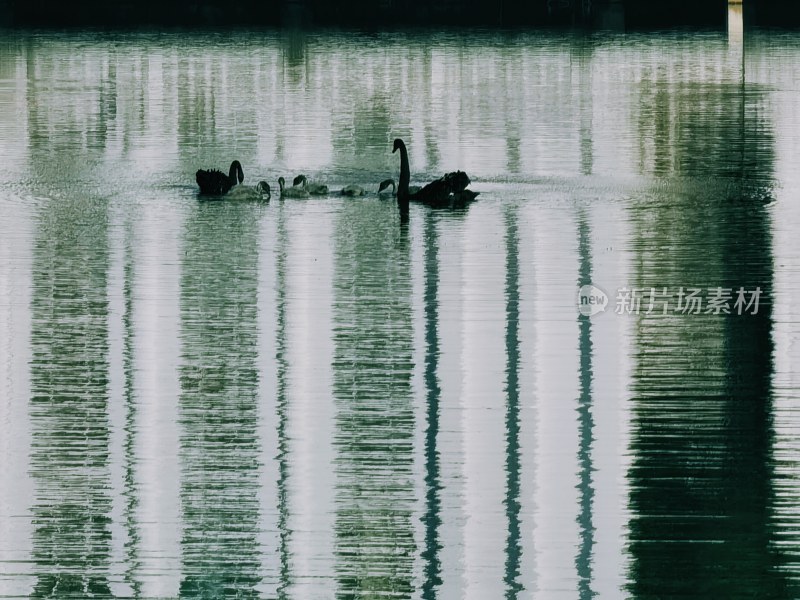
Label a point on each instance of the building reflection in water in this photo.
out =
(68, 408)
(375, 421)
(513, 462)
(218, 406)
(16, 274)
(432, 518)
(702, 432)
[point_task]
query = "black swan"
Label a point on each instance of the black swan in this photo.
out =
(296, 191)
(449, 191)
(315, 189)
(216, 183)
(260, 191)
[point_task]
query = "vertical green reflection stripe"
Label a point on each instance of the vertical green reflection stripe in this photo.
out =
(584, 557)
(432, 518)
(373, 337)
(513, 459)
(69, 400)
(282, 404)
(218, 413)
(130, 490)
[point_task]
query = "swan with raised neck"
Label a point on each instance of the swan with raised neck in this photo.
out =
(449, 191)
(403, 194)
(215, 183)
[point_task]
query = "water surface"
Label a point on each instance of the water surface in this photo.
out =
(309, 399)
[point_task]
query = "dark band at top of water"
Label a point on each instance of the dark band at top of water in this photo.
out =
(604, 14)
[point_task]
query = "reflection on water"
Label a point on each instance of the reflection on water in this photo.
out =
(583, 559)
(68, 409)
(513, 465)
(219, 376)
(303, 399)
(432, 519)
(703, 447)
(375, 421)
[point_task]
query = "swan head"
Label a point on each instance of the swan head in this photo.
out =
(385, 184)
(281, 182)
(398, 143)
(263, 188)
(300, 180)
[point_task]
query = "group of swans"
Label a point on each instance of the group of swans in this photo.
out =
(449, 191)
(216, 183)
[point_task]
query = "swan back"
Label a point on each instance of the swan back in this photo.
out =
(317, 189)
(353, 190)
(260, 191)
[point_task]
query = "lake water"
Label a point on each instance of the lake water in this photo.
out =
(308, 399)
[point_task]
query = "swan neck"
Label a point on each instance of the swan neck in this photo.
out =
(405, 173)
(235, 174)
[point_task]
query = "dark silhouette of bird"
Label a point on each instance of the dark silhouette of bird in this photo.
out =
(216, 183)
(449, 191)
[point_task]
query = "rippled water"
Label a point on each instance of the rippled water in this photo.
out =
(309, 399)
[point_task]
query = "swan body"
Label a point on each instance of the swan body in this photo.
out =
(315, 189)
(353, 190)
(292, 192)
(449, 191)
(260, 191)
(215, 183)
